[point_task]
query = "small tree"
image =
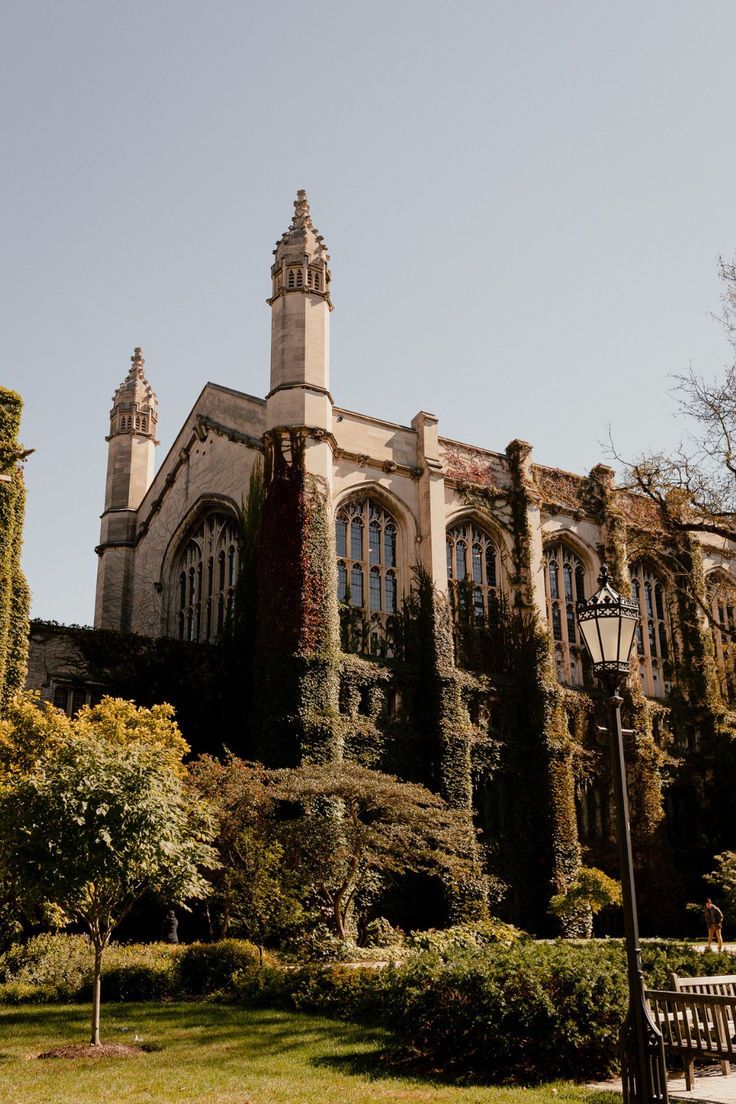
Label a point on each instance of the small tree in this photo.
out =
(253, 891)
(102, 818)
(355, 823)
(724, 876)
(590, 891)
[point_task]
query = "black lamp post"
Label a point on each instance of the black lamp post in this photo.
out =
(608, 625)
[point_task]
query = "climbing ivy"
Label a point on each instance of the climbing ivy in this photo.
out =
(14, 593)
(297, 682)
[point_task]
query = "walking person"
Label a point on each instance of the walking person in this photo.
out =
(714, 920)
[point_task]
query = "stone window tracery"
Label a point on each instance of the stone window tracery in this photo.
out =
(653, 634)
(472, 573)
(366, 544)
(565, 586)
(204, 577)
(721, 594)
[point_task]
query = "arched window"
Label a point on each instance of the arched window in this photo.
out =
(472, 573)
(291, 278)
(722, 603)
(366, 544)
(653, 631)
(564, 580)
(592, 812)
(204, 577)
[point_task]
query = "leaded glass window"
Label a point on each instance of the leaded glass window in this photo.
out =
(366, 544)
(204, 578)
(722, 605)
(564, 578)
(653, 631)
(472, 573)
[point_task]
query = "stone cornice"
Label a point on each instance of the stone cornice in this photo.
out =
(300, 386)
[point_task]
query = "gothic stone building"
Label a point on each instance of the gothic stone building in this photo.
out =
(409, 601)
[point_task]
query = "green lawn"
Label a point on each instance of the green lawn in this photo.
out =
(213, 1054)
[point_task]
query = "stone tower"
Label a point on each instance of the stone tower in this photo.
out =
(130, 463)
(299, 397)
(298, 632)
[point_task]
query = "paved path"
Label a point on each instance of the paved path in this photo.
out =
(711, 1087)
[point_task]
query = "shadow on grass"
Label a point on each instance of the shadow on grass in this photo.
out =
(394, 1063)
(171, 1027)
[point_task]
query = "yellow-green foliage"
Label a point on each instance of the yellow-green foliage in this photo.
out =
(590, 891)
(31, 730)
(14, 595)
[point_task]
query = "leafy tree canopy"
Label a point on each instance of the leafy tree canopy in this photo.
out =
(352, 823)
(32, 730)
(99, 817)
(590, 891)
(254, 892)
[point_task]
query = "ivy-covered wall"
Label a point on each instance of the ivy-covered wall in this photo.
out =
(296, 708)
(474, 712)
(14, 594)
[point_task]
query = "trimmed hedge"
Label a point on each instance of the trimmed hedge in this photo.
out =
(529, 1011)
(207, 969)
(53, 968)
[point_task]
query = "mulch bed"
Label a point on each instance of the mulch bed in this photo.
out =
(86, 1050)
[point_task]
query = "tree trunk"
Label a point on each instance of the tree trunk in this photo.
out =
(95, 1035)
(339, 920)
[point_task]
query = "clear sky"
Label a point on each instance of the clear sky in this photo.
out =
(524, 203)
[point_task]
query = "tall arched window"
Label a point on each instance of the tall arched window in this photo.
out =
(653, 632)
(472, 573)
(366, 543)
(722, 604)
(204, 577)
(564, 580)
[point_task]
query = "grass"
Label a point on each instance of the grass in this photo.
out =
(214, 1054)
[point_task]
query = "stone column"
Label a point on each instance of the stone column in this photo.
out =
(432, 554)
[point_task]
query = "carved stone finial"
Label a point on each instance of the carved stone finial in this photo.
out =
(137, 362)
(301, 215)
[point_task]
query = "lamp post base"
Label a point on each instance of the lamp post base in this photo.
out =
(643, 1074)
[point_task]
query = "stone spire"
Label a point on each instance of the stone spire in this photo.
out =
(134, 404)
(301, 262)
(131, 448)
(299, 397)
(136, 364)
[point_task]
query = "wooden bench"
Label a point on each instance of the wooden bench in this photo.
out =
(697, 1018)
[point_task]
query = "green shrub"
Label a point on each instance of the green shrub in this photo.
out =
(141, 972)
(479, 933)
(211, 968)
(360, 993)
(528, 1012)
(380, 932)
(57, 967)
(662, 958)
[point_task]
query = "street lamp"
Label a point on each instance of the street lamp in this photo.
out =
(608, 626)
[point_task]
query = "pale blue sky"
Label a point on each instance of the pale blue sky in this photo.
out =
(524, 203)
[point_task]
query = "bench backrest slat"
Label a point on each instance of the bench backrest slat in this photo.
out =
(700, 1024)
(722, 985)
